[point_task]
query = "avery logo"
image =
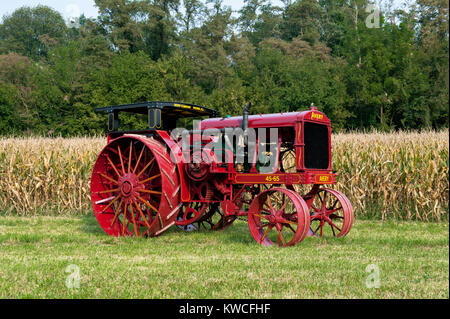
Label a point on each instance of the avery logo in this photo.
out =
(322, 179)
(316, 116)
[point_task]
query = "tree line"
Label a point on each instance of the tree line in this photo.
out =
(390, 75)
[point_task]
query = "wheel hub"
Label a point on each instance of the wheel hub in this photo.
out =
(127, 188)
(127, 184)
(271, 219)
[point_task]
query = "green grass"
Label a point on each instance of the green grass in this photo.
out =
(413, 261)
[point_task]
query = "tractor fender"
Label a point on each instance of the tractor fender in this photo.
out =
(177, 156)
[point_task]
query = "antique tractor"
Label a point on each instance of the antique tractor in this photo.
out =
(270, 169)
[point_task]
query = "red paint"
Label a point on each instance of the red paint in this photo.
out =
(141, 186)
(265, 120)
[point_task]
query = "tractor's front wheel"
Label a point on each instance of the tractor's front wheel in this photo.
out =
(278, 215)
(331, 213)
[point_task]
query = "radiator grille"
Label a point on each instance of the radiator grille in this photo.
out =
(316, 146)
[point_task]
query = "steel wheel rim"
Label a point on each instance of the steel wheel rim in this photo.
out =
(278, 216)
(331, 213)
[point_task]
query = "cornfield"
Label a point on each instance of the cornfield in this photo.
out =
(400, 175)
(386, 175)
(47, 175)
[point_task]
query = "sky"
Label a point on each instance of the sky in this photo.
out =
(73, 8)
(70, 8)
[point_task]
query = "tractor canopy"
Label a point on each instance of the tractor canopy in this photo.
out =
(161, 114)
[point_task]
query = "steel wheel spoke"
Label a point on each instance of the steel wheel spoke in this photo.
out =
(134, 221)
(332, 224)
(335, 202)
(148, 164)
(265, 234)
(324, 202)
(290, 227)
(124, 219)
(150, 191)
(116, 213)
(269, 201)
(113, 166)
(128, 224)
(283, 207)
(334, 234)
(150, 179)
(142, 214)
(333, 210)
(260, 216)
(112, 150)
(147, 203)
(129, 157)
(121, 159)
(289, 222)
(108, 191)
(110, 203)
(317, 228)
(139, 159)
(281, 237)
(320, 197)
(109, 178)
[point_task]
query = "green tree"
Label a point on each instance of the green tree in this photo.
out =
(433, 26)
(280, 58)
(160, 28)
(302, 19)
(32, 31)
(260, 20)
(191, 15)
(10, 123)
(17, 78)
(132, 26)
(290, 77)
(206, 48)
(122, 22)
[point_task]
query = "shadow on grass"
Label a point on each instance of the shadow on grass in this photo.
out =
(238, 233)
(90, 225)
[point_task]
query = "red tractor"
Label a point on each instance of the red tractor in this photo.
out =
(252, 166)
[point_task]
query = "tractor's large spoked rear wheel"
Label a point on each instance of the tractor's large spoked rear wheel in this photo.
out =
(134, 188)
(331, 213)
(280, 216)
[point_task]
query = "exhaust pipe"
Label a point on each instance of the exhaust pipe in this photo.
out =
(244, 124)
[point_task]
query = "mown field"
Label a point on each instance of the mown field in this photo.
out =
(385, 175)
(412, 259)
